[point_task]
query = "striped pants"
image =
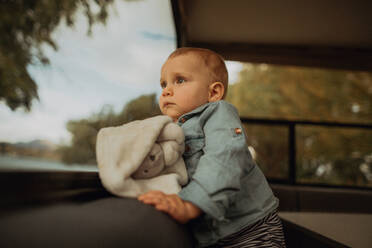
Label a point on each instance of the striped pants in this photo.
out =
(267, 232)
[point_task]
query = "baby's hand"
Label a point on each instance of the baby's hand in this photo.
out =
(181, 211)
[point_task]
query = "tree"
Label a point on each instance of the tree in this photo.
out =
(25, 26)
(84, 131)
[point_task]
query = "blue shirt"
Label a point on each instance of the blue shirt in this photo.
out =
(224, 180)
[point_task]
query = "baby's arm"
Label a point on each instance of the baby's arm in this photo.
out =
(180, 210)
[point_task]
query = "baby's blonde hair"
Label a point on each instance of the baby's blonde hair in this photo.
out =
(211, 59)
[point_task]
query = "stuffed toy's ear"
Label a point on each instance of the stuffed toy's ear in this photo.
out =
(171, 131)
(172, 151)
(152, 165)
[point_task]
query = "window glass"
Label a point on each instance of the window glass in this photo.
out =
(300, 93)
(103, 78)
(324, 154)
(338, 156)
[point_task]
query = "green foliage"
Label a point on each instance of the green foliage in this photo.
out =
(303, 93)
(25, 26)
(84, 131)
(324, 155)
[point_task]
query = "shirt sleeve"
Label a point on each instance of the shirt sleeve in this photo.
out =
(216, 180)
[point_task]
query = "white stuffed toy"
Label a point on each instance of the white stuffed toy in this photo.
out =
(140, 156)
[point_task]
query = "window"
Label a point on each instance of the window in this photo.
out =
(328, 111)
(107, 78)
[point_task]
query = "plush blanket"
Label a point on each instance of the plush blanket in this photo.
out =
(140, 156)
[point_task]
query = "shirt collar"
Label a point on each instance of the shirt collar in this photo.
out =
(183, 118)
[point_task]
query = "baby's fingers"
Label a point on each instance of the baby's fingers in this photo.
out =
(152, 201)
(151, 194)
(162, 207)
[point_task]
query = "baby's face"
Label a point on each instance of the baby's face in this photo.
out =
(185, 82)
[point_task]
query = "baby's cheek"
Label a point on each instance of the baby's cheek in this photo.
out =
(162, 111)
(161, 107)
(188, 103)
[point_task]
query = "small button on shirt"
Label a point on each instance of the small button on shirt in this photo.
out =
(224, 180)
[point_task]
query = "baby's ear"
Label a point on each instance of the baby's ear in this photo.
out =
(216, 91)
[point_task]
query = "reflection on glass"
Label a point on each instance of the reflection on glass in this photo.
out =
(269, 147)
(339, 156)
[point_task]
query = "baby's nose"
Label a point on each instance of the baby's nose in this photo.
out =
(167, 91)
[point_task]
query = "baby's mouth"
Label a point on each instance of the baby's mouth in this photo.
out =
(167, 104)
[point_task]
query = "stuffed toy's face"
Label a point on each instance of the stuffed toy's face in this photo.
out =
(152, 165)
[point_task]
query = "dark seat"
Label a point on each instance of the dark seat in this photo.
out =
(106, 222)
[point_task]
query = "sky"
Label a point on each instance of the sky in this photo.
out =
(119, 62)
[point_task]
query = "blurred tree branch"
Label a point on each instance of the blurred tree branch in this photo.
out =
(26, 25)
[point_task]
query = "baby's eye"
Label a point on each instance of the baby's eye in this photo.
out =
(163, 85)
(180, 80)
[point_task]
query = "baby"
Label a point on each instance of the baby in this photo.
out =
(227, 201)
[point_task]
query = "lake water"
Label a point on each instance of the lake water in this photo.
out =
(10, 163)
